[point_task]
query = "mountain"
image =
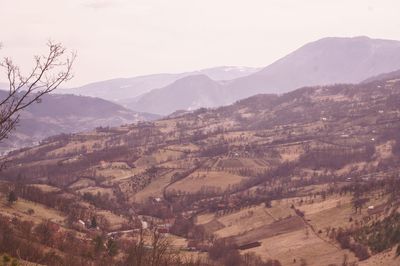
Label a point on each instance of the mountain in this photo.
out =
(326, 61)
(188, 93)
(58, 114)
(119, 90)
(308, 177)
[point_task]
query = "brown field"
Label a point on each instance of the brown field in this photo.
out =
(213, 226)
(291, 153)
(240, 163)
(164, 155)
(117, 173)
(244, 221)
(293, 246)
(204, 218)
(184, 147)
(114, 220)
(284, 226)
(146, 161)
(46, 188)
(73, 146)
(199, 179)
(280, 210)
(320, 214)
(155, 188)
(20, 209)
(82, 183)
(95, 190)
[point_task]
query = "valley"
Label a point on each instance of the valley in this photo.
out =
(303, 178)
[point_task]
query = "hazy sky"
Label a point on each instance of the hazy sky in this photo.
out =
(122, 38)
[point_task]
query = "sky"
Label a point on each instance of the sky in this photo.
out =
(122, 38)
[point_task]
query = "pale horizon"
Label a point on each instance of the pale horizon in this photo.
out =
(120, 39)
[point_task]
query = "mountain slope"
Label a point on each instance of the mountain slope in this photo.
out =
(58, 114)
(326, 61)
(120, 90)
(188, 93)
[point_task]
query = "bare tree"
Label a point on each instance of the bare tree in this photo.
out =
(48, 72)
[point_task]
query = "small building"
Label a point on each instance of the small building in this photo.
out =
(156, 200)
(145, 225)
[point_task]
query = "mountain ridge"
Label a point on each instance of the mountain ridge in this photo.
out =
(326, 61)
(121, 89)
(64, 113)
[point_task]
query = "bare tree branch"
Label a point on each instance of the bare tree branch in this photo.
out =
(48, 73)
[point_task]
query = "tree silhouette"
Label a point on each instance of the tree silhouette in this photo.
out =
(12, 197)
(49, 71)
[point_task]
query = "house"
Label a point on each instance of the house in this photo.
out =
(145, 225)
(157, 200)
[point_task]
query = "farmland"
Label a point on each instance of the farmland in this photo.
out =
(299, 178)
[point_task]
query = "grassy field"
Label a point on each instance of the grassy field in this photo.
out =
(96, 190)
(199, 179)
(46, 188)
(243, 221)
(154, 189)
(115, 221)
(290, 248)
(21, 207)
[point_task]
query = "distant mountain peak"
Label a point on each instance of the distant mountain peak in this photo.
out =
(194, 78)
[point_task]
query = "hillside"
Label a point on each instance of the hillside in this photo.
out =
(306, 177)
(323, 62)
(58, 114)
(384, 76)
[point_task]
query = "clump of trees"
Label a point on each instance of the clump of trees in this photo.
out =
(158, 252)
(225, 252)
(334, 158)
(12, 197)
(381, 234)
(345, 241)
(6, 260)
